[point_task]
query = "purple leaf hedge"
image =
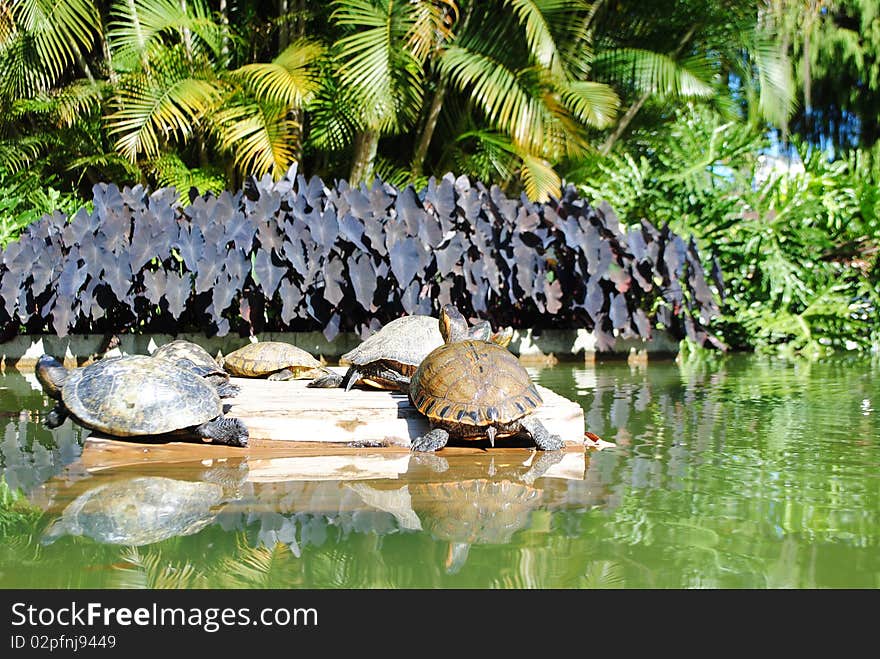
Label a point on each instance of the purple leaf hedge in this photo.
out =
(295, 254)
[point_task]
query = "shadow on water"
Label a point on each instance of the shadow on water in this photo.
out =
(742, 474)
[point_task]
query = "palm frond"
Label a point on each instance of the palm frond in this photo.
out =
(107, 162)
(256, 567)
(18, 153)
(539, 36)
(540, 180)
(150, 569)
(649, 71)
(334, 118)
(776, 94)
(137, 25)
(431, 26)
(490, 156)
(57, 31)
(604, 575)
(497, 90)
(170, 171)
(593, 103)
(386, 78)
(261, 136)
(69, 104)
(153, 108)
(290, 79)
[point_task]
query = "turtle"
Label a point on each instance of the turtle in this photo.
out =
(275, 359)
(471, 389)
(473, 512)
(396, 350)
(138, 511)
(195, 358)
(137, 395)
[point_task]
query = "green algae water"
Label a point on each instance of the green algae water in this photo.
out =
(744, 473)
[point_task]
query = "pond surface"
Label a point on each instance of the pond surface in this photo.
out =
(744, 473)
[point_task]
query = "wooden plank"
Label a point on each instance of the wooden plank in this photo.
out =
(101, 454)
(290, 411)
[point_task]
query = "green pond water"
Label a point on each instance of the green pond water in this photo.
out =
(745, 473)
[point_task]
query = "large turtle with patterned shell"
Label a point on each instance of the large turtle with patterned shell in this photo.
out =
(471, 389)
(137, 395)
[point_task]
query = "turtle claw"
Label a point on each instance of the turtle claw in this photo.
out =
(432, 441)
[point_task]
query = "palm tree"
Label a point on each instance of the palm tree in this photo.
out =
(500, 60)
(699, 51)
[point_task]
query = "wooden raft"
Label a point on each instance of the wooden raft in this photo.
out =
(290, 411)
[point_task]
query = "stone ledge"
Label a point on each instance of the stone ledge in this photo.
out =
(548, 346)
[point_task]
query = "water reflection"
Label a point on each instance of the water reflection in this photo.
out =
(481, 511)
(745, 473)
(138, 511)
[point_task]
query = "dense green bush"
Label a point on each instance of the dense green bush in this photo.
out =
(798, 250)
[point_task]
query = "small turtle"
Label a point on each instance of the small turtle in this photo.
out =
(473, 512)
(137, 395)
(195, 358)
(472, 389)
(396, 350)
(275, 359)
(138, 511)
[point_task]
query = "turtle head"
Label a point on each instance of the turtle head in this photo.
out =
(51, 374)
(453, 325)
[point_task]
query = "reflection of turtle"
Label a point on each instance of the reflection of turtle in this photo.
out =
(138, 511)
(195, 358)
(473, 512)
(137, 395)
(275, 359)
(471, 389)
(396, 350)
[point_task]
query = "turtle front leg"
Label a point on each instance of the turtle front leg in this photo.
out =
(283, 374)
(543, 439)
(431, 441)
(221, 430)
(55, 417)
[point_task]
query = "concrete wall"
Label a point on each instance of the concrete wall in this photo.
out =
(548, 346)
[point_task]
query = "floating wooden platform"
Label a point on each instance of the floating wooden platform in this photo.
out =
(291, 412)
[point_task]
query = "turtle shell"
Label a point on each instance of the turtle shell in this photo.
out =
(139, 511)
(256, 360)
(404, 341)
(138, 395)
(476, 511)
(192, 356)
(473, 383)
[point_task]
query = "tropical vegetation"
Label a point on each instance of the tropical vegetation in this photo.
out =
(663, 108)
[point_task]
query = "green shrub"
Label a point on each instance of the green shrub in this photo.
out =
(798, 251)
